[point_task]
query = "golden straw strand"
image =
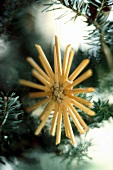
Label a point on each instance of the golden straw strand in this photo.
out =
(48, 110)
(80, 79)
(46, 69)
(65, 123)
(37, 104)
(44, 112)
(83, 101)
(58, 134)
(79, 90)
(41, 78)
(65, 61)
(81, 121)
(54, 122)
(82, 107)
(39, 94)
(70, 128)
(77, 123)
(58, 56)
(35, 65)
(71, 55)
(31, 84)
(71, 131)
(55, 65)
(79, 69)
(44, 60)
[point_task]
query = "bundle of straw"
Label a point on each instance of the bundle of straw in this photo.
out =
(59, 92)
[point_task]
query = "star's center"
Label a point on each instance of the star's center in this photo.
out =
(58, 92)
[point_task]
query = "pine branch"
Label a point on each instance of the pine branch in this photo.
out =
(95, 12)
(79, 8)
(10, 113)
(103, 112)
(78, 153)
(101, 41)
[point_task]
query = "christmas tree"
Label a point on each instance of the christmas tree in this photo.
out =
(56, 66)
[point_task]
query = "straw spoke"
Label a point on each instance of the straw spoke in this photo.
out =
(83, 101)
(39, 94)
(71, 55)
(58, 134)
(55, 65)
(81, 121)
(35, 65)
(79, 69)
(58, 56)
(80, 79)
(44, 61)
(83, 108)
(68, 125)
(41, 78)
(79, 90)
(33, 85)
(38, 104)
(46, 112)
(54, 122)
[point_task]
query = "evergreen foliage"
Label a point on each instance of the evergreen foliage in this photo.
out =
(78, 153)
(11, 115)
(95, 13)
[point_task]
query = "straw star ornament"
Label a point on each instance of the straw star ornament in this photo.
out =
(59, 92)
